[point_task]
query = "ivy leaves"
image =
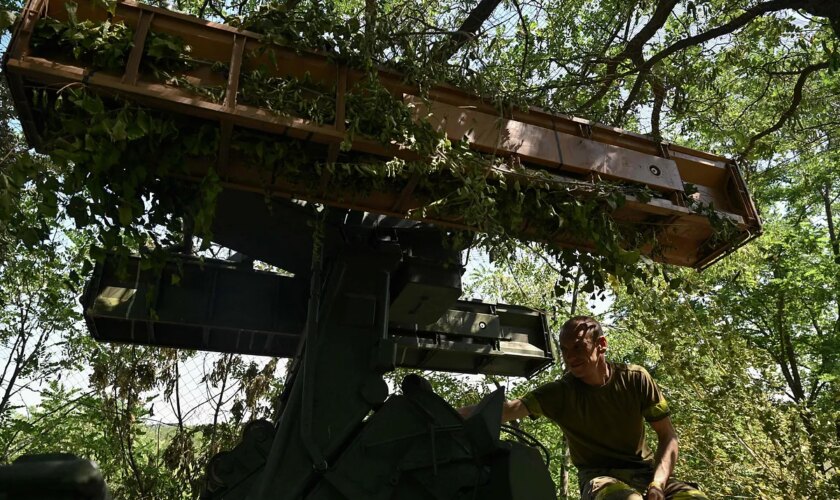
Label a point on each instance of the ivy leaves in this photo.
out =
(110, 181)
(106, 45)
(288, 96)
(373, 112)
(103, 45)
(165, 52)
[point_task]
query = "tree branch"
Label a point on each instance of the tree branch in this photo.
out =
(633, 49)
(655, 23)
(19, 364)
(203, 8)
(638, 41)
(788, 113)
(527, 34)
(659, 93)
(602, 54)
(65, 407)
(825, 193)
(448, 47)
(725, 29)
(631, 98)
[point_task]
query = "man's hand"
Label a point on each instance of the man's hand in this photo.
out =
(655, 492)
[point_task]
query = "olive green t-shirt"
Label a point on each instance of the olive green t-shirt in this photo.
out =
(604, 425)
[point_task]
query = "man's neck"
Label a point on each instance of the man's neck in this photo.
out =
(600, 376)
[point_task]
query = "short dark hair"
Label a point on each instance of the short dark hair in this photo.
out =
(588, 323)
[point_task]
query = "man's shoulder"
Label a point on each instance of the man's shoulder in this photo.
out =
(631, 372)
(633, 368)
(558, 385)
(549, 398)
(628, 368)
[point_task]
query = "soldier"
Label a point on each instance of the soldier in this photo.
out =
(601, 407)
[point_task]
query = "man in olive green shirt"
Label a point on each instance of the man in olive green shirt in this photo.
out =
(602, 407)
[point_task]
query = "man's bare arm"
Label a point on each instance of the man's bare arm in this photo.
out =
(511, 410)
(666, 452)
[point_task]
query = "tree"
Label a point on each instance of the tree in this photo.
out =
(38, 321)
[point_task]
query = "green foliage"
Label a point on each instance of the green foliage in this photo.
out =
(18, 167)
(287, 96)
(720, 380)
(373, 112)
(106, 46)
(113, 140)
(307, 25)
(113, 423)
(166, 53)
(38, 322)
(102, 45)
(7, 19)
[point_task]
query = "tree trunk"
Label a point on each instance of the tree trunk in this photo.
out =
(565, 462)
(371, 9)
(564, 470)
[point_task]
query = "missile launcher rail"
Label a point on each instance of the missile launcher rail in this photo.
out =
(560, 148)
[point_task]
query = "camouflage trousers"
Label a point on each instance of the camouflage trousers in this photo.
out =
(629, 484)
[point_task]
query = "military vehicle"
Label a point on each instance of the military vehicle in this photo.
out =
(366, 288)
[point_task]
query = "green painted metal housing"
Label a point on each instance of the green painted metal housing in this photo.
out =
(217, 305)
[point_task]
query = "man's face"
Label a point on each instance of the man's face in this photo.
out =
(579, 352)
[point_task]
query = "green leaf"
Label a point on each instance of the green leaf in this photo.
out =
(118, 130)
(71, 8)
(7, 19)
(92, 104)
(30, 237)
(629, 257)
(125, 214)
(87, 267)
